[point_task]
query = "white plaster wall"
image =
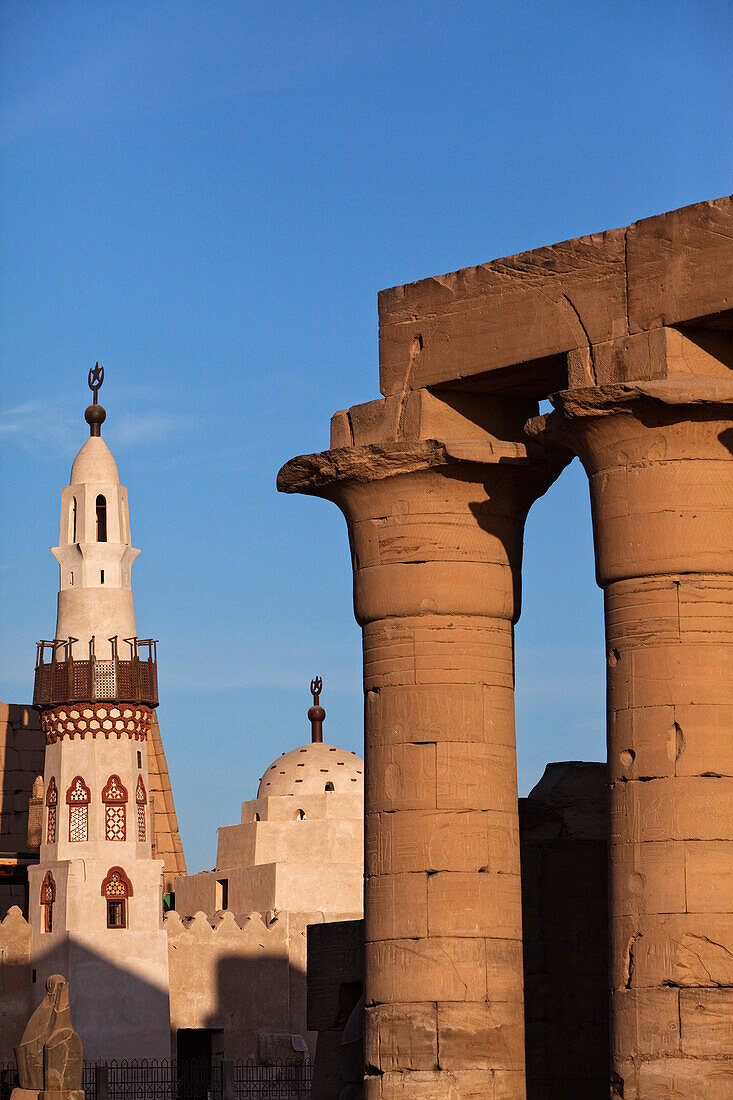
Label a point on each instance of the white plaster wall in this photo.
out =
(118, 978)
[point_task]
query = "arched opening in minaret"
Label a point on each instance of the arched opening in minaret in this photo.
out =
(101, 518)
(48, 897)
(116, 889)
(72, 521)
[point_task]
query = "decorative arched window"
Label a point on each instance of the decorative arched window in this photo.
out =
(300, 815)
(101, 518)
(329, 786)
(48, 897)
(77, 799)
(141, 799)
(52, 801)
(116, 889)
(114, 796)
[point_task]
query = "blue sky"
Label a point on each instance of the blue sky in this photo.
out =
(206, 198)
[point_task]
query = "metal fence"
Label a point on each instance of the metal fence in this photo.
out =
(178, 1080)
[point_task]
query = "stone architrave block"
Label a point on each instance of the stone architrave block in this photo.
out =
(679, 264)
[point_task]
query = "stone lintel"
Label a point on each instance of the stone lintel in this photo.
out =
(512, 326)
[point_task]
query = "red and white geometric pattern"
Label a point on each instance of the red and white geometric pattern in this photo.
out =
(114, 822)
(79, 719)
(141, 823)
(78, 823)
(51, 825)
(114, 791)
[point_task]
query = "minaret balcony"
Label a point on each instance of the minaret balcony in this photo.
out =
(115, 679)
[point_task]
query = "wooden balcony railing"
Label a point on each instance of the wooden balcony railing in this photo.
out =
(112, 680)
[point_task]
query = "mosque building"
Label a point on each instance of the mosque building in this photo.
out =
(91, 865)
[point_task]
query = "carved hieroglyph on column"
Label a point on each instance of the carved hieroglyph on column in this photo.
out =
(659, 459)
(436, 531)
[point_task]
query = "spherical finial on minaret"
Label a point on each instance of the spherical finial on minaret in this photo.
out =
(316, 714)
(95, 415)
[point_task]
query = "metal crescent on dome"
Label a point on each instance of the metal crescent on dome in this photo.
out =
(94, 414)
(95, 380)
(316, 714)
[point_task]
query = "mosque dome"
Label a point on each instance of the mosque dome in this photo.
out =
(94, 463)
(313, 769)
(317, 767)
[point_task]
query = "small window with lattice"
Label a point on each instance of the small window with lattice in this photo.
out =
(116, 889)
(48, 897)
(141, 799)
(52, 803)
(114, 796)
(77, 799)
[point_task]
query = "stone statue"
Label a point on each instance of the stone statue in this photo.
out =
(49, 1055)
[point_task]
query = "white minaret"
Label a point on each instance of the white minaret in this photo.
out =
(95, 896)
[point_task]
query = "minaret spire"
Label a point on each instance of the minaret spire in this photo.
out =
(95, 415)
(316, 714)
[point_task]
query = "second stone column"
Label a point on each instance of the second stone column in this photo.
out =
(436, 531)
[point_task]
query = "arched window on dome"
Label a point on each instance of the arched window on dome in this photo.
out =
(300, 815)
(141, 800)
(77, 799)
(114, 796)
(48, 897)
(329, 786)
(52, 801)
(101, 518)
(116, 889)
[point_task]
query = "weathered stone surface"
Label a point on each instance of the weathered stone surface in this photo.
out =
(50, 1055)
(527, 324)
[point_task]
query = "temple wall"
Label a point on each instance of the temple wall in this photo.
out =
(18, 995)
(21, 760)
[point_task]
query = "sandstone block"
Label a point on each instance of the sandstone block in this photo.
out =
(396, 906)
(645, 1022)
(484, 904)
(435, 969)
(685, 1078)
(402, 1036)
(424, 840)
(706, 1021)
(481, 1036)
(709, 876)
(647, 877)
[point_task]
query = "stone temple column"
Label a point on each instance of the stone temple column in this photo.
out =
(436, 529)
(659, 459)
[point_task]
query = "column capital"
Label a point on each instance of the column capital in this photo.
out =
(436, 526)
(659, 458)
